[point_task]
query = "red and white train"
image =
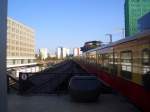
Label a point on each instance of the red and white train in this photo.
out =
(125, 66)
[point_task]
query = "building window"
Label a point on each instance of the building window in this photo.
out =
(29, 61)
(14, 62)
(126, 64)
(9, 62)
(22, 61)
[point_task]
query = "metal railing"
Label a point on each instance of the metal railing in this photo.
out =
(12, 83)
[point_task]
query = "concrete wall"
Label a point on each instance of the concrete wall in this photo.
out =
(3, 33)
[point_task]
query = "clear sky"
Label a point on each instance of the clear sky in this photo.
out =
(69, 23)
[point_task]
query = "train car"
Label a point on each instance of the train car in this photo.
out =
(125, 66)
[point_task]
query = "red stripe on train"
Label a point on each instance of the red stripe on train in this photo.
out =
(134, 92)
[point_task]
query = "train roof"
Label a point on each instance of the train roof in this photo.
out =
(131, 38)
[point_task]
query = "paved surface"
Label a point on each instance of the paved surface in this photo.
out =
(63, 103)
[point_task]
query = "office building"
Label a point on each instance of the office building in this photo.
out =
(134, 9)
(20, 44)
(43, 53)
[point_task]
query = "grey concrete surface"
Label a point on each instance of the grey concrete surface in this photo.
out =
(3, 38)
(63, 103)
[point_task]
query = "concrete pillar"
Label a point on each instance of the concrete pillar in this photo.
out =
(3, 35)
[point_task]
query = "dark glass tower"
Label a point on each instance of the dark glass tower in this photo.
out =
(134, 9)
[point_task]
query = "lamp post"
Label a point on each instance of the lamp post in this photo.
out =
(123, 32)
(3, 35)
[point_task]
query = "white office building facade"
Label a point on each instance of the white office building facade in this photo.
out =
(20, 44)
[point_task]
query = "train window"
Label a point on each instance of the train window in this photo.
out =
(90, 59)
(146, 57)
(93, 59)
(126, 64)
(116, 58)
(146, 60)
(99, 60)
(111, 58)
(113, 63)
(105, 62)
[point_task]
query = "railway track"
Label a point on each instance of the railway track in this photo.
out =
(54, 80)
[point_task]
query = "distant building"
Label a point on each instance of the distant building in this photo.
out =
(62, 52)
(90, 45)
(68, 52)
(144, 23)
(59, 53)
(43, 52)
(52, 55)
(20, 44)
(134, 9)
(76, 52)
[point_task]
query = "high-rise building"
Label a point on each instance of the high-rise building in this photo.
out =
(76, 52)
(68, 52)
(62, 52)
(134, 9)
(43, 53)
(20, 44)
(59, 53)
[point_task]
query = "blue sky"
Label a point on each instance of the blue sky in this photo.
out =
(69, 23)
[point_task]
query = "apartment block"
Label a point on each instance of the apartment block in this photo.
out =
(20, 44)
